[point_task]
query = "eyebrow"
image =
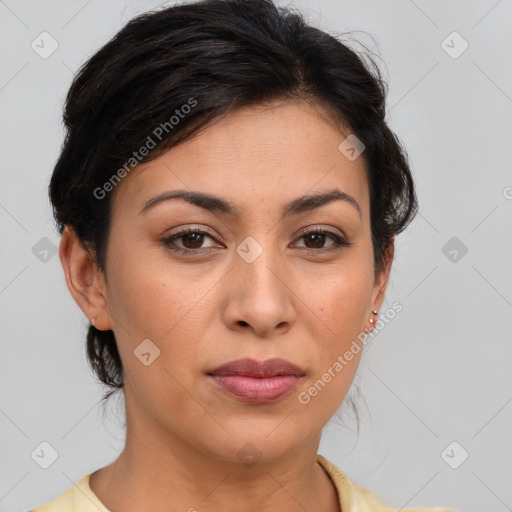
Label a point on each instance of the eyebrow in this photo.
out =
(217, 204)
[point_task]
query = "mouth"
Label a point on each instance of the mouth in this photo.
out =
(257, 382)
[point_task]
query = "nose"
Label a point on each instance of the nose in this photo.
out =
(260, 296)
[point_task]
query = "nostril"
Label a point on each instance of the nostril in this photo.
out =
(243, 322)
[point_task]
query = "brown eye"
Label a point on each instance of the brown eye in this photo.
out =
(188, 240)
(316, 238)
(193, 240)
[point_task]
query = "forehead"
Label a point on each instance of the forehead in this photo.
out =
(259, 155)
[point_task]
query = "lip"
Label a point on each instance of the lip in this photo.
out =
(257, 381)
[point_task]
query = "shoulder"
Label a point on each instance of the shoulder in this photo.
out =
(78, 498)
(359, 499)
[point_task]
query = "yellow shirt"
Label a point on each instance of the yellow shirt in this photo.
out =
(80, 498)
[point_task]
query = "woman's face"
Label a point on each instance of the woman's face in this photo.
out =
(244, 284)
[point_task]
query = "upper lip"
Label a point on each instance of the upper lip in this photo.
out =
(253, 368)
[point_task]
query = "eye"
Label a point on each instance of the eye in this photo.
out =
(317, 237)
(191, 240)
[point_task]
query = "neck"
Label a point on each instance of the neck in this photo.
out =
(158, 470)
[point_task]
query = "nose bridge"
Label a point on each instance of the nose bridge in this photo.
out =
(265, 300)
(259, 263)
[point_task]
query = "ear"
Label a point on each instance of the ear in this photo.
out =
(85, 281)
(381, 280)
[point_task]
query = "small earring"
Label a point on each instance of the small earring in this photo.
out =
(375, 312)
(371, 320)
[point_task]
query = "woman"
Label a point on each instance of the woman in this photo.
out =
(228, 196)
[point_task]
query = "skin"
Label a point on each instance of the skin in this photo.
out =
(203, 310)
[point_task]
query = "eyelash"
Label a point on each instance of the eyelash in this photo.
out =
(339, 242)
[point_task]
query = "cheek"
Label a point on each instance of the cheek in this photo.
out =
(340, 315)
(340, 309)
(160, 305)
(341, 303)
(165, 303)
(150, 299)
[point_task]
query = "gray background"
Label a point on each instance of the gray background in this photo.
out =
(438, 373)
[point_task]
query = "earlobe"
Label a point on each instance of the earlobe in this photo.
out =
(83, 278)
(381, 282)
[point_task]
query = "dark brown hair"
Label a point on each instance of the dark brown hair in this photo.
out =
(214, 55)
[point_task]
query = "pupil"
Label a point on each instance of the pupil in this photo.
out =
(196, 237)
(318, 236)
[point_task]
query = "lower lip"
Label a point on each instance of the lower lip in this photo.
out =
(257, 390)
